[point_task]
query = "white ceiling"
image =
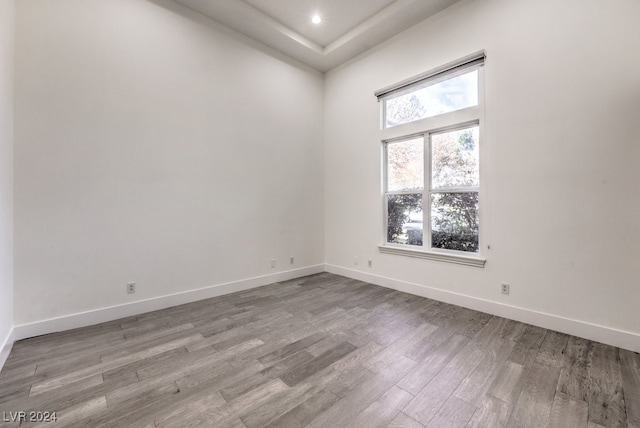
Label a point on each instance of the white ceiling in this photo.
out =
(348, 28)
(338, 16)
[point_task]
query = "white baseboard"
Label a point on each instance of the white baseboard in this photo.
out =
(111, 313)
(5, 347)
(607, 335)
(610, 336)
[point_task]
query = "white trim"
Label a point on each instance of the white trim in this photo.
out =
(111, 313)
(6, 346)
(433, 124)
(482, 165)
(610, 336)
(433, 255)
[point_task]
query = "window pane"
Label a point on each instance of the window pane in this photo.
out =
(454, 221)
(405, 165)
(454, 158)
(404, 219)
(443, 97)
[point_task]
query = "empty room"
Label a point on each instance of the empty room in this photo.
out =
(320, 213)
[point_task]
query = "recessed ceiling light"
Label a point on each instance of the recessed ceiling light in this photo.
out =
(316, 19)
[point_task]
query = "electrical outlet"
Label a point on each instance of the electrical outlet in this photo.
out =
(273, 263)
(355, 260)
(504, 288)
(291, 259)
(131, 287)
(370, 263)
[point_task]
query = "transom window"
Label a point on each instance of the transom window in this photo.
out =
(432, 99)
(431, 128)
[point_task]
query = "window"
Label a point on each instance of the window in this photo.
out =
(454, 93)
(431, 128)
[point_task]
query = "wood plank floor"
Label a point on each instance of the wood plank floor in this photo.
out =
(321, 351)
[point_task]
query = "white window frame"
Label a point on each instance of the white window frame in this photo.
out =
(425, 128)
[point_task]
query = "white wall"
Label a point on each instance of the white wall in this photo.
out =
(562, 193)
(7, 18)
(154, 148)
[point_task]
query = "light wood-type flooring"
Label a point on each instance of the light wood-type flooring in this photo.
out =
(320, 351)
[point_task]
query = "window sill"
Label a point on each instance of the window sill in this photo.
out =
(432, 255)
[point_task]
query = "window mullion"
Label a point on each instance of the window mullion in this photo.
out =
(426, 194)
(405, 192)
(385, 188)
(469, 189)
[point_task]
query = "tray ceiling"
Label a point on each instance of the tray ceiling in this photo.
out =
(348, 28)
